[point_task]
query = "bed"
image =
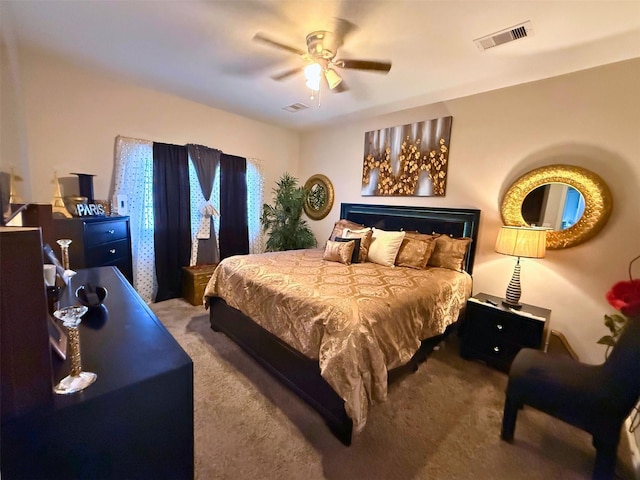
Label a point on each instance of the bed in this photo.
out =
(341, 356)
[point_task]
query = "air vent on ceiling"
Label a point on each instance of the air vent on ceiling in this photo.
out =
(295, 107)
(504, 36)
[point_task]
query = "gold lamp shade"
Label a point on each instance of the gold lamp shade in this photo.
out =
(522, 242)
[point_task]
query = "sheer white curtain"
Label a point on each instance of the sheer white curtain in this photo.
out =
(255, 198)
(134, 178)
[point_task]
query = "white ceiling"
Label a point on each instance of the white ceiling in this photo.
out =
(203, 50)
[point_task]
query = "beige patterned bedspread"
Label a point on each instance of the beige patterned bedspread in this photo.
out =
(358, 320)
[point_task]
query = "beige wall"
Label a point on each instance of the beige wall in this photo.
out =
(73, 116)
(12, 134)
(590, 119)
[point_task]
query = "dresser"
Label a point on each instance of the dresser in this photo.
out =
(495, 333)
(134, 422)
(25, 360)
(97, 242)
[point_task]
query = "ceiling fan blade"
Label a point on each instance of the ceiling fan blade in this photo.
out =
(259, 37)
(287, 73)
(373, 66)
(342, 28)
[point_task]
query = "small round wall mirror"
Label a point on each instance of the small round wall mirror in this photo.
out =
(572, 202)
(319, 200)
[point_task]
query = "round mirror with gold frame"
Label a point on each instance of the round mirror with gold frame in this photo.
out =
(319, 200)
(578, 201)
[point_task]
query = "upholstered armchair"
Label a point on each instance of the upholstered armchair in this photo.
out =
(594, 398)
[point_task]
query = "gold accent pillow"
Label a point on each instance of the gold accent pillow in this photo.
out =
(355, 256)
(422, 236)
(338, 252)
(340, 225)
(365, 234)
(415, 251)
(449, 252)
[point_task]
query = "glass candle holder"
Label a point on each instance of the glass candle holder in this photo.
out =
(64, 248)
(77, 380)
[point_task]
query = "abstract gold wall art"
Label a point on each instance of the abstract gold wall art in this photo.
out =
(407, 160)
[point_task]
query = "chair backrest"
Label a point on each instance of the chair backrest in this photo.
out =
(622, 367)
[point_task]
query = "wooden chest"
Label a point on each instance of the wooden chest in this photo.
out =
(194, 281)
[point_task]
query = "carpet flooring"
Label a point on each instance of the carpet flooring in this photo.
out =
(442, 422)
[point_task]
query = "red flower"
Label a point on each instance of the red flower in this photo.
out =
(625, 297)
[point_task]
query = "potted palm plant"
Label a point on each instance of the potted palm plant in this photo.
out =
(283, 221)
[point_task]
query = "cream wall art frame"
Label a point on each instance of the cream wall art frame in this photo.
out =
(407, 160)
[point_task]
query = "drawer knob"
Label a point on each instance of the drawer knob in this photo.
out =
(496, 349)
(111, 232)
(113, 250)
(499, 327)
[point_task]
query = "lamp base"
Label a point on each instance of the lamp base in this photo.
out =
(515, 306)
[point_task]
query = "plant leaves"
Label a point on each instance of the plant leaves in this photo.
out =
(283, 219)
(607, 340)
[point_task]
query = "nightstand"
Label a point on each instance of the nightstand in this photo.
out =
(495, 333)
(194, 282)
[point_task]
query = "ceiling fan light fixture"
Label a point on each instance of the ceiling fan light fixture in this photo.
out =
(312, 74)
(333, 79)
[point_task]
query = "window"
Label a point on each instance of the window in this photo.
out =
(134, 178)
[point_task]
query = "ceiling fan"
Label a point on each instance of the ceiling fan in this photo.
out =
(321, 62)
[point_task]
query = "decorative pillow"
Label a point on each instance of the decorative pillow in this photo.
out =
(340, 225)
(355, 257)
(338, 252)
(422, 236)
(449, 252)
(365, 235)
(384, 247)
(415, 251)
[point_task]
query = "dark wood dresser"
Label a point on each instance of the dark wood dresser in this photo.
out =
(97, 242)
(25, 358)
(495, 334)
(134, 422)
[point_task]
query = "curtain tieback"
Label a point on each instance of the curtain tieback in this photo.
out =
(208, 211)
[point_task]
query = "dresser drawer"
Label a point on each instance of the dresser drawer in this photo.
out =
(107, 253)
(104, 232)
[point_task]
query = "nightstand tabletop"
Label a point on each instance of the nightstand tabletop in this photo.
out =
(544, 314)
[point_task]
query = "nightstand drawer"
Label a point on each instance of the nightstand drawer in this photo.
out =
(495, 350)
(103, 232)
(495, 325)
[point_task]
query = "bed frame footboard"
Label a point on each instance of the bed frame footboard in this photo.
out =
(299, 373)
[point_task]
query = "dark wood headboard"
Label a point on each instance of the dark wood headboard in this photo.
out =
(457, 222)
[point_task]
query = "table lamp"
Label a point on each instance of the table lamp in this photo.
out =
(519, 242)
